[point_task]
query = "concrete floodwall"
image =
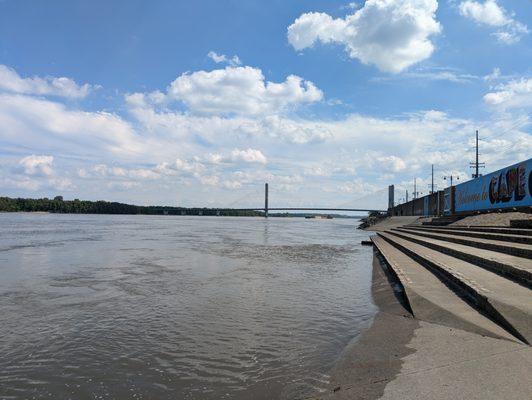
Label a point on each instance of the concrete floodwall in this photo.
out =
(427, 205)
(508, 188)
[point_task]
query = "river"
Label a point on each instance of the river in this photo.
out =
(164, 307)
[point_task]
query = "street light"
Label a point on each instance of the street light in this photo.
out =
(451, 179)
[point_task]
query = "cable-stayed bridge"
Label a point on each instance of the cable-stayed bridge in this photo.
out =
(342, 208)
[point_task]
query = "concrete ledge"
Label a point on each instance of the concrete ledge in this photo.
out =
(491, 229)
(518, 250)
(515, 320)
(482, 235)
(502, 264)
(430, 299)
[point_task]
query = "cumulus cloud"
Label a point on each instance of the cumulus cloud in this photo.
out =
(222, 58)
(37, 165)
(11, 81)
(179, 167)
(492, 14)
(238, 155)
(249, 156)
(240, 90)
(391, 34)
(391, 163)
(514, 94)
(35, 172)
(237, 91)
(174, 153)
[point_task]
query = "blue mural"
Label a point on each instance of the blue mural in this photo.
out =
(508, 187)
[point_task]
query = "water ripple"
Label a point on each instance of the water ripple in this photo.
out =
(165, 308)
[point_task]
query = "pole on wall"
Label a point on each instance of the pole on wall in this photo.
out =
(432, 184)
(476, 161)
(476, 165)
(265, 200)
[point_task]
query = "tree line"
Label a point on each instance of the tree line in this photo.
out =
(59, 205)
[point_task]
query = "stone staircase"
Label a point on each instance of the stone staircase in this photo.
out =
(477, 279)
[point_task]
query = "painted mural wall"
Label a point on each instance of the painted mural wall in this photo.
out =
(508, 187)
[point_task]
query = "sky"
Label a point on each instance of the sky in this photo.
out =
(199, 103)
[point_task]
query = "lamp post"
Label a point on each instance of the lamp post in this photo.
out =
(451, 179)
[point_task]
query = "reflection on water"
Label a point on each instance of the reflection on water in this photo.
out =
(177, 307)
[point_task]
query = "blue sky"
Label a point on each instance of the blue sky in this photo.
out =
(198, 103)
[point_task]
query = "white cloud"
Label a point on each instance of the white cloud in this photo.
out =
(180, 166)
(492, 14)
(123, 185)
(241, 91)
(232, 185)
(171, 154)
(317, 171)
(237, 155)
(47, 124)
(391, 34)
(222, 58)
(63, 184)
(24, 183)
(489, 12)
(10, 81)
(37, 165)
(423, 74)
(494, 75)
(359, 188)
(119, 172)
(514, 94)
(209, 180)
(391, 163)
(143, 174)
(249, 156)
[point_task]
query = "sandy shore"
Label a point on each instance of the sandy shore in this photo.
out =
(400, 357)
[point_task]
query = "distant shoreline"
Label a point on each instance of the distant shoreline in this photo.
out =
(58, 205)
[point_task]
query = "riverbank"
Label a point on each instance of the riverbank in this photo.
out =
(402, 357)
(431, 341)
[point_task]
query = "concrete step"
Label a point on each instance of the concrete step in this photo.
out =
(482, 235)
(521, 223)
(442, 221)
(516, 268)
(507, 302)
(489, 229)
(431, 300)
(514, 249)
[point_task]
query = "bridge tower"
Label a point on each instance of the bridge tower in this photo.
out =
(265, 200)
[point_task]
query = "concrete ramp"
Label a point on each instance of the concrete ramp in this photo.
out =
(392, 222)
(431, 300)
(490, 269)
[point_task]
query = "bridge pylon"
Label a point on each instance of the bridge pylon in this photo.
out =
(265, 200)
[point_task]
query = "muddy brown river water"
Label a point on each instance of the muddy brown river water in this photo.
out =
(153, 307)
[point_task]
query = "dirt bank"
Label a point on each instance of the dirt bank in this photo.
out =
(492, 219)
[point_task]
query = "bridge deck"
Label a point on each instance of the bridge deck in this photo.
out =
(305, 209)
